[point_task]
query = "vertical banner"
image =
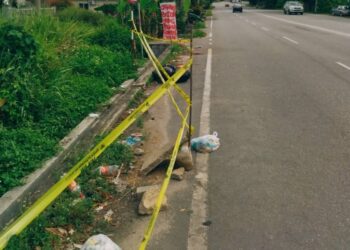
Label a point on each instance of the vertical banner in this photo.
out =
(168, 11)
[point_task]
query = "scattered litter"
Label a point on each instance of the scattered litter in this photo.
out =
(94, 115)
(184, 77)
(137, 135)
(79, 246)
(139, 151)
(130, 111)
(170, 69)
(110, 170)
(100, 242)
(207, 223)
(101, 206)
(206, 143)
(131, 140)
(126, 84)
(108, 215)
(121, 185)
(75, 188)
(57, 231)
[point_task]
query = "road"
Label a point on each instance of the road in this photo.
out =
(280, 101)
(277, 90)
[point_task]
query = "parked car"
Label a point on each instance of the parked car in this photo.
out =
(293, 7)
(237, 6)
(341, 10)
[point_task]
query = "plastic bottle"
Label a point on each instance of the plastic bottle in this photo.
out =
(75, 188)
(108, 170)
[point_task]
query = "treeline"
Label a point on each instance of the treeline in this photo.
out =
(323, 6)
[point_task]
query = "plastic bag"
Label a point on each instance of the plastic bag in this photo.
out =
(206, 143)
(100, 242)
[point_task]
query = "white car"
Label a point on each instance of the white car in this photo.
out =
(291, 7)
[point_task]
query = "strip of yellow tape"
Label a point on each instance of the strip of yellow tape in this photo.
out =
(164, 186)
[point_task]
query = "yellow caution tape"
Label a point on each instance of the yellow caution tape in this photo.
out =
(39, 206)
(164, 186)
(179, 40)
(45, 200)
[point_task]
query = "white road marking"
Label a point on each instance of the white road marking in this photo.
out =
(264, 28)
(339, 33)
(343, 65)
(291, 40)
(211, 23)
(197, 232)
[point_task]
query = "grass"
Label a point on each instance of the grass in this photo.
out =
(136, 99)
(175, 50)
(209, 12)
(199, 34)
(71, 213)
(199, 25)
(73, 64)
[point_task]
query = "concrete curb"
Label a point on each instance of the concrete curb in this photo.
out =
(79, 140)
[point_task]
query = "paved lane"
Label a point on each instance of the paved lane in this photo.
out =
(281, 178)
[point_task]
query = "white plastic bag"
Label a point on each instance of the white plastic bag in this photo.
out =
(100, 242)
(206, 143)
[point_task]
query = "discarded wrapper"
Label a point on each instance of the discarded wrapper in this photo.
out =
(108, 170)
(75, 188)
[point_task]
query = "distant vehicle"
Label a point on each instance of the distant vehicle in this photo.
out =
(237, 6)
(293, 7)
(341, 10)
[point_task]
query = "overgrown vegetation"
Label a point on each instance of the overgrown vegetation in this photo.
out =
(322, 6)
(71, 213)
(53, 72)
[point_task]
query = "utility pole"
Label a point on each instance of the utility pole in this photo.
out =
(140, 23)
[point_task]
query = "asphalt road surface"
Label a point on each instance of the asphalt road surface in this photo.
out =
(280, 101)
(277, 90)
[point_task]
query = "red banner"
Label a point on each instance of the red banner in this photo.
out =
(169, 20)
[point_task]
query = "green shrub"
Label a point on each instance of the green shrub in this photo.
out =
(15, 42)
(112, 36)
(18, 84)
(64, 104)
(108, 9)
(22, 150)
(34, 236)
(60, 4)
(199, 25)
(81, 15)
(199, 33)
(63, 69)
(113, 67)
